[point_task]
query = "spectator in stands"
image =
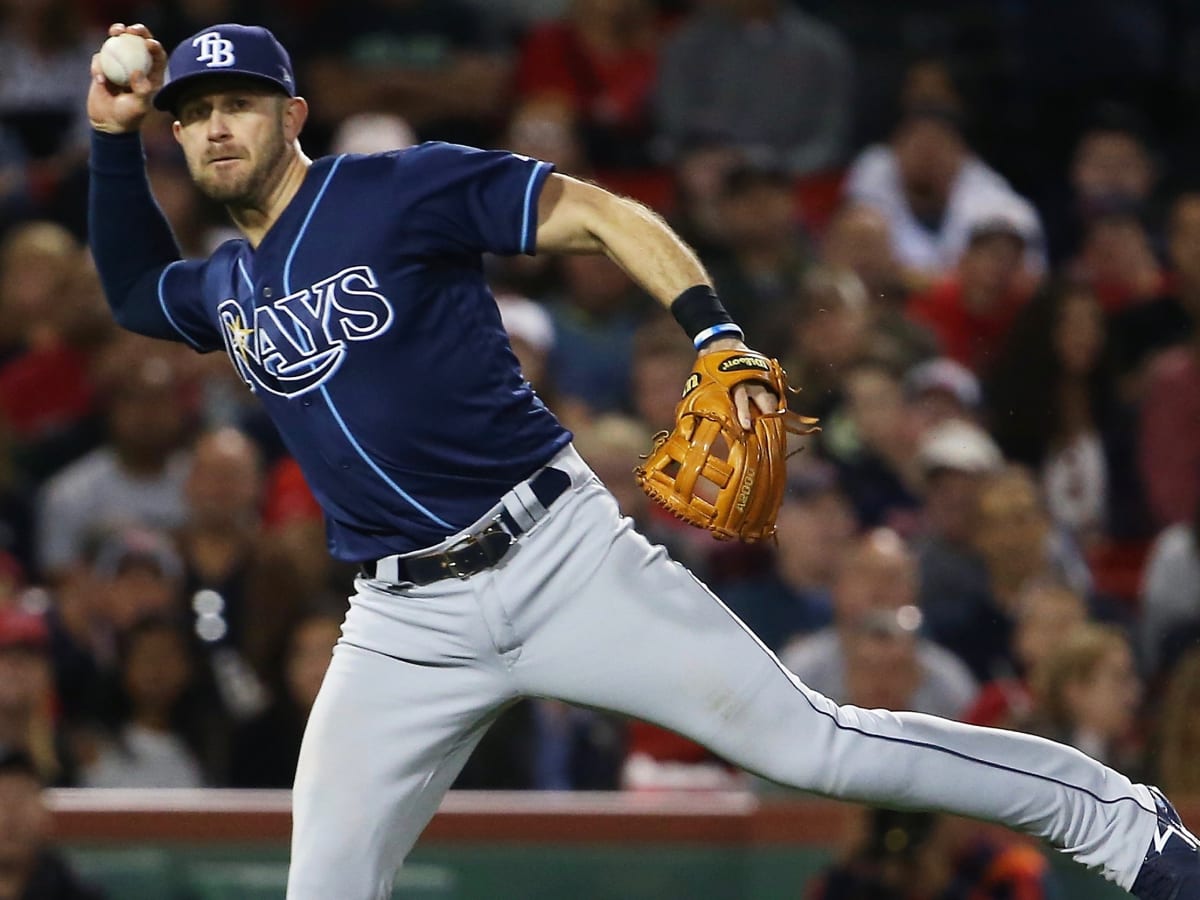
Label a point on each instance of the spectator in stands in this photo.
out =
(829, 333)
(242, 604)
(1169, 432)
(576, 748)
(45, 46)
(792, 595)
(873, 443)
(934, 191)
(433, 62)
(698, 173)
(36, 261)
(531, 334)
(1046, 612)
(955, 458)
(137, 478)
(157, 733)
(131, 574)
(1112, 167)
(544, 130)
(1086, 694)
(1179, 728)
(373, 132)
(858, 237)
(610, 444)
(1169, 611)
(660, 363)
(12, 580)
(1142, 329)
(1117, 258)
(27, 699)
(265, 749)
(594, 323)
(30, 866)
(732, 73)
(971, 310)
(598, 63)
(1015, 538)
(941, 390)
(16, 504)
(138, 574)
(926, 856)
(1053, 404)
(52, 311)
(765, 251)
(872, 650)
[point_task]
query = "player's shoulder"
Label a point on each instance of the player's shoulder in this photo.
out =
(426, 157)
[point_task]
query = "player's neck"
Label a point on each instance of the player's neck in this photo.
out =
(254, 221)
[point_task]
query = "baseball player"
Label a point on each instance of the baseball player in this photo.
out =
(494, 564)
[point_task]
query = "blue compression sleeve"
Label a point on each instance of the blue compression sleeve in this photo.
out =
(129, 236)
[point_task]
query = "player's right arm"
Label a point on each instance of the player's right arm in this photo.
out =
(134, 248)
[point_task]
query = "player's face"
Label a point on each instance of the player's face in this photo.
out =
(235, 140)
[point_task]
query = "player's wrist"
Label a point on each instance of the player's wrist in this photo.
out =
(700, 313)
(117, 127)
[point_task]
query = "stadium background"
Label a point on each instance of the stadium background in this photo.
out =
(971, 231)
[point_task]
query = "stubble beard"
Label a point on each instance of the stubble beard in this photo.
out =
(249, 189)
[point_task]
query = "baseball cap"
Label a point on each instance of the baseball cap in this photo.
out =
(132, 547)
(812, 479)
(947, 375)
(998, 225)
(960, 446)
(247, 50)
(21, 628)
(527, 320)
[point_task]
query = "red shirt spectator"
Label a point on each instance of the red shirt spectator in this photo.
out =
(972, 337)
(1170, 435)
(600, 61)
(971, 311)
(288, 496)
(44, 390)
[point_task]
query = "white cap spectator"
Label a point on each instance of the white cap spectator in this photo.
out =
(527, 320)
(373, 133)
(945, 375)
(959, 445)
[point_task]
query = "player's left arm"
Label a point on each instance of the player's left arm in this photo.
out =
(577, 217)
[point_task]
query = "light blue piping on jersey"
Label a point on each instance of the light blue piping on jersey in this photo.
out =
(287, 289)
(246, 277)
(162, 302)
(525, 248)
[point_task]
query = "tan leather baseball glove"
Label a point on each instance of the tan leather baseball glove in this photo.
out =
(710, 471)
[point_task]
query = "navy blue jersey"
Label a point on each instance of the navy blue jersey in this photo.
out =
(364, 324)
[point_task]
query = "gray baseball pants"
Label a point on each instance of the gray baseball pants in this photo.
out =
(584, 609)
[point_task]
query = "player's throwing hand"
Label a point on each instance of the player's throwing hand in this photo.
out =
(114, 108)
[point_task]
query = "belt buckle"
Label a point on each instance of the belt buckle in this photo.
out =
(448, 562)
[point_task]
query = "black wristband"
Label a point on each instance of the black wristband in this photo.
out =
(700, 313)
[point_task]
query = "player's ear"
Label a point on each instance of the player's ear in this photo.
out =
(176, 129)
(295, 114)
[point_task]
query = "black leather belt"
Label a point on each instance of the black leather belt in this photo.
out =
(477, 551)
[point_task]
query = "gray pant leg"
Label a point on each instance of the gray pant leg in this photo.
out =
(615, 624)
(408, 694)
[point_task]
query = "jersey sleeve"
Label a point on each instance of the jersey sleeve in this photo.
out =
(150, 289)
(471, 200)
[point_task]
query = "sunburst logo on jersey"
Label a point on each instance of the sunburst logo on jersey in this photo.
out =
(296, 343)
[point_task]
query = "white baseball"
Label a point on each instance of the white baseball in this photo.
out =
(122, 55)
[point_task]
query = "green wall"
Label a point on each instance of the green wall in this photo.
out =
(464, 871)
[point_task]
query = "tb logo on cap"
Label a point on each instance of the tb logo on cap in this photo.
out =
(215, 50)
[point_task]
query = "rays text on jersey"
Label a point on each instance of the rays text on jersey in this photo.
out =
(294, 344)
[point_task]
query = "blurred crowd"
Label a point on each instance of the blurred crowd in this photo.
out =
(970, 230)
